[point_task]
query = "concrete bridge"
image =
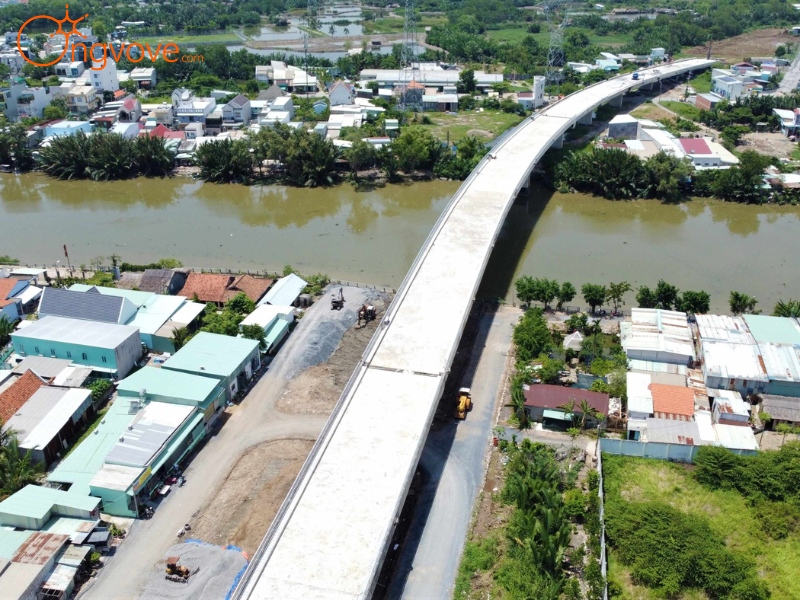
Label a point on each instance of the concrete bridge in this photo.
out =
(330, 536)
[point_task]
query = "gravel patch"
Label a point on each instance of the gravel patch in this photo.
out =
(218, 570)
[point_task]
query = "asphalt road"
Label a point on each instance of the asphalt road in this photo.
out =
(455, 459)
(254, 421)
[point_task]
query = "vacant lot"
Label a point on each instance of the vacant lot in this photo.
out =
(486, 125)
(643, 480)
(650, 111)
(761, 42)
(771, 144)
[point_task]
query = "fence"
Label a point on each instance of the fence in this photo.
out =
(603, 557)
(659, 450)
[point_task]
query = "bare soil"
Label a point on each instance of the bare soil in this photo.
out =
(761, 42)
(316, 390)
(771, 144)
(650, 111)
(246, 502)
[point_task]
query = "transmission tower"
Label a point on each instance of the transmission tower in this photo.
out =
(555, 53)
(409, 67)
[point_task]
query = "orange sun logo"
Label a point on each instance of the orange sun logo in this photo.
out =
(59, 31)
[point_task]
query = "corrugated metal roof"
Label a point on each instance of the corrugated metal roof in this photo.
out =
(188, 312)
(705, 425)
(218, 355)
(735, 361)
(781, 361)
(266, 314)
(159, 383)
(116, 477)
(636, 364)
(781, 408)
(729, 402)
(776, 330)
(10, 541)
(78, 305)
(148, 433)
(724, 328)
(640, 400)
(40, 419)
(34, 501)
(39, 548)
(75, 331)
(135, 297)
(43, 366)
(60, 578)
(285, 291)
(668, 431)
(736, 437)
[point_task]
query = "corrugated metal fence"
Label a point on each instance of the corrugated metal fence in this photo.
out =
(603, 556)
(662, 451)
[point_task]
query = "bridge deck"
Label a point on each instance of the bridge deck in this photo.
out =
(331, 535)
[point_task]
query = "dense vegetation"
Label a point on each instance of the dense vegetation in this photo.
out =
(530, 557)
(17, 468)
(726, 528)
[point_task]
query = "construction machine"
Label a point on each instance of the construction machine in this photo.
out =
(176, 572)
(337, 302)
(366, 314)
(464, 403)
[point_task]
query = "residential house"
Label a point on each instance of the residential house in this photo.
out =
(82, 99)
(57, 371)
(69, 69)
(705, 153)
(103, 76)
(60, 128)
(341, 92)
(550, 403)
(285, 292)
(18, 101)
(658, 335)
(607, 65)
(707, 101)
(742, 68)
(106, 347)
(190, 109)
(283, 104)
(10, 306)
(672, 402)
(734, 366)
(231, 361)
(271, 93)
(780, 409)
(89, 306)
(48, 421)
(790, 121)
(13, 60)
(726, 85)
(263, 73)
(426, 75)
(34, 506)
(219, 288)
(145, 77)
(729, 408)
(126, 130)
(320, 106)
(164, 115)
(18, 393)
(237, 110)
(130, 110)
(274, 320)
(162, 281)
(194, 131)
(440, 102)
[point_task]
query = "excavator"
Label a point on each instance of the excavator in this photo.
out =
(176, 572)
(337, 302)
(366, 314)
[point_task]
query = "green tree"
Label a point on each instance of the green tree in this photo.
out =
(240, 304)
(67, 157)
(525, 289)
(17, 468)
(548, 290)
(466, 82)
(169, 263)
(592, 348)
(743, 182)
(667, 295)
(616, 292)
(550, 369)
(565, 294)
(593, 294)
(361, 155)
(225, 322)
(6, 329)
(645, 297)
(255, 332)
(741, 303)
(790, 308)
(696, 303)
(54, 112)
(99, 387)
(532, 336)
(152, 158)
(180, 335)
(387, 161)
(415, 148)
(224, 161)
(668, 176)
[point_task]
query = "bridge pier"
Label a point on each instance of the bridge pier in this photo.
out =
(587, 118)
(648, 86)
(558, 143)
(616, 101)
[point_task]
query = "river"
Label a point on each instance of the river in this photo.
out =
(373, 236)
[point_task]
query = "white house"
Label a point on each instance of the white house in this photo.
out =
(341, 93)
(70, 69)
(145, 77)
(190, 109)
(724, 83)
(22, 101)
(283, 104)
(126, 130)
(237, 110)
(104, 79)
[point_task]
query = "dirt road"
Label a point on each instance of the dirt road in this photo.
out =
(252, 423)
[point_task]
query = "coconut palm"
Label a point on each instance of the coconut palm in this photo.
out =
(67, 157)
(587, 411)
(225, 161)
(6, 328)
(111, 156)
(16, 469)
(153, 158)
(180, 335)
(790, 308)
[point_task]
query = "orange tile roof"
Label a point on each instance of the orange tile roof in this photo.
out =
(208, 287)
(12, 399)
(672, 399)
(6, 285)
(221, 288)
(253, 287)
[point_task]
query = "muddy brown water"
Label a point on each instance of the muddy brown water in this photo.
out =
(374, 236)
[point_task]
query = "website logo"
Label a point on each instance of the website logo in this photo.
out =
(98, 52)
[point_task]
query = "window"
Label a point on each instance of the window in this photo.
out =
(84, 357)
(36, 349)
(69, 354)
(52, 352)
(22, 349)
(104, 359)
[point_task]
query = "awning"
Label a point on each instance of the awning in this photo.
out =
(557, 414)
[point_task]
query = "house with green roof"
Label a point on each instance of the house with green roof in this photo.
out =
(175, 387)
(229, 360)
(34, 506)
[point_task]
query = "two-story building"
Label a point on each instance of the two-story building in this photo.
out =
(190, 109)
(237, 110)
(104, 78)
(70, 69)
(18, 101)
(144, 77)
(82, 99)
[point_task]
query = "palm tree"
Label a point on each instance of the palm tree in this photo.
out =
(790, 308)
(225, 161)
(16, 470)
(6, 329)
(180, 335)
(587, 410)
(518, 404)
(67, 157)
(111, 156)
(153, 158)
(569, 409)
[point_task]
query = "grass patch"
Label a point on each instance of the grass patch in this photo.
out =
(650, 111)
(395, 24)
(92, 426)
(211, 38)
(487, 124)
(480, 555)
(687, 111)
(516, 34)
(701, 83)
(645, 480)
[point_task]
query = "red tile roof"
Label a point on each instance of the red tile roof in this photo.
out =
(672, 399)
(6, 285)
(694, 146)
(555, 396)
(221, 288)
(12, 399)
